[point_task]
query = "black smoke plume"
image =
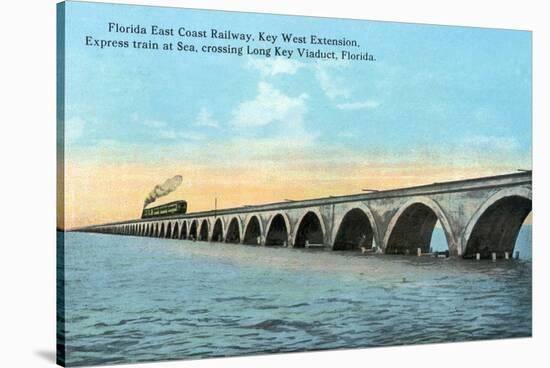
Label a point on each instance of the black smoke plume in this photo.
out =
(161, 190)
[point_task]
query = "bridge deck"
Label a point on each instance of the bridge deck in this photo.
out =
(500, 181)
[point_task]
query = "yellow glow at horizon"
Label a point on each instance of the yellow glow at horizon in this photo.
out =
(99, 193)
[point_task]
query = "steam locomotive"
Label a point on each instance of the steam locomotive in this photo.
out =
(168, 209)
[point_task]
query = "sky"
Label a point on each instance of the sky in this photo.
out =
(439, 103)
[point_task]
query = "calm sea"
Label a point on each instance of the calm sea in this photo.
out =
(131, 299)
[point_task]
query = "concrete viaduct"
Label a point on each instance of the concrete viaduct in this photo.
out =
(481, 215)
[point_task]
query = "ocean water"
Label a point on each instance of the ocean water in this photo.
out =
(132, 299)
(523, 242)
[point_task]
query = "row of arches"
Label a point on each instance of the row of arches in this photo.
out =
(310, 230)
(494, 228)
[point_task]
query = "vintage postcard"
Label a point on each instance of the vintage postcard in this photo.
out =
(238, 183)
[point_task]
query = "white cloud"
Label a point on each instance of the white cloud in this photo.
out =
(358, 105)
(326, 72)
(205, 119)
(269, 67)
(333, 86)
(171, 134)
(270, 105)
(491, 143)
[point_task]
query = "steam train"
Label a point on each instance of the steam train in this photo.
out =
(168, 209)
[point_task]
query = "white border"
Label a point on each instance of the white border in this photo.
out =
(27, 145)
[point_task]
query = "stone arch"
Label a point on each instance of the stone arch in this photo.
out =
(495, 225)
(355, 230)
(203, 230)
(183, 232)
(217, 231)
(156, 233)
(176, 231)
(162, 231)
(234, 231)
(412, 226)
(168, 233)
(193, 232)
(277, 229)
(310, 229)
(253, 231)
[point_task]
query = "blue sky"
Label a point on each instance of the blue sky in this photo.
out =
(439, 103)
(457, 94)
